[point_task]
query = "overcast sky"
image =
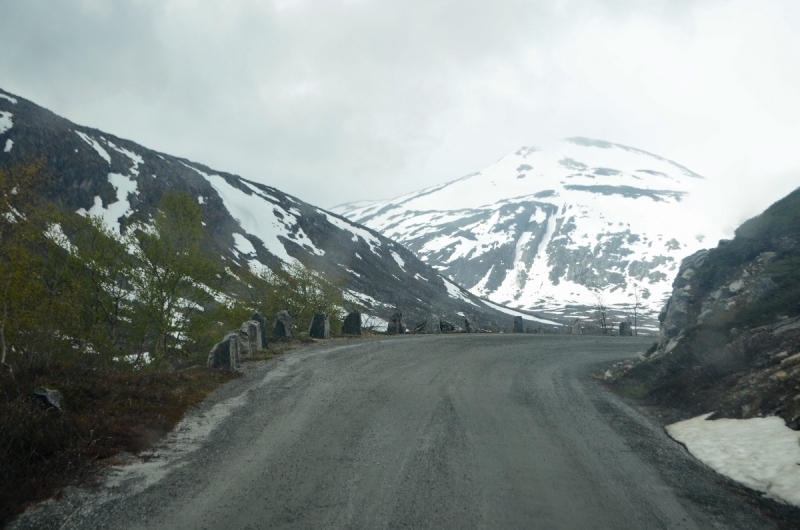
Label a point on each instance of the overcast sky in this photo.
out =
(339, 100)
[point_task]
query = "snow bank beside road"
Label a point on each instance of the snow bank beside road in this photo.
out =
(761, 453)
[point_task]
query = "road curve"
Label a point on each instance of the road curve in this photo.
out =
(448, 431)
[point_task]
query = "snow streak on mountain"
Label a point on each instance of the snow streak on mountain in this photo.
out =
(544, 229)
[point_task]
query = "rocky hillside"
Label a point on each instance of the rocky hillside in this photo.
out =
(96, 173)
(730, 332)
(545, 229)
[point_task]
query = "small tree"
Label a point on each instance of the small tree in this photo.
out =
(601, 313)
(174, 277)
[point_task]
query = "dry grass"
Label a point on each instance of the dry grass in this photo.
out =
(105, 412)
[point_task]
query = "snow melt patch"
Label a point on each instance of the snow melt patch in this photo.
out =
(5, 121)
(761, 453)
(398, 260)
(95, 145)
(255, 215)
(120, 208)
(12, 100)
(455, 292)
(511, 312)
(9, 145)
(243, 245)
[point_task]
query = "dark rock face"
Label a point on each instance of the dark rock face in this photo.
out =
(51, 398)
(469, 325)
(226, 354)
(396, 323)
(262, 324)
(518, 325)
(352, 324)
(731, 329)
(250, 333)
(625, 329)
(320, 327)
(282, 325)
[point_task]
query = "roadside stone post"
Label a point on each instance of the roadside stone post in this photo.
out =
(352, 324)
(282, 325)
(262, 323)
(226, 354)
(396, 323)
(251, 337)
(625, 329)
(320, 327)
(518, 325)
(469, 324)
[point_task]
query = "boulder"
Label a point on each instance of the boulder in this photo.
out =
(51, 398)
(396, 323)
(518, 325)
(226, 354)
(251, 338)
(625, 329)
(432, 325)
(282, 325)
(444, 325)
(262, 323)
(320, 327)
(352, 324)
(761, 288)
(469, 324)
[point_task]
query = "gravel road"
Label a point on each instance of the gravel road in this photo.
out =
(448, 431)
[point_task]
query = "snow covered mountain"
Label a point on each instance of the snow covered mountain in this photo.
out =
(547, 229)
(96, 173)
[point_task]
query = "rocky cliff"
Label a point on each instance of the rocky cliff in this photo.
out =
(730, 332)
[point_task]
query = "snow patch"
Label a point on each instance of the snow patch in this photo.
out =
(398, 260)
(255, 215)
(761, 453)
(12, 100)
(243, 245)
(454, 291)
(120, 208)
(9, 145)
(5, 121)
(95, 145)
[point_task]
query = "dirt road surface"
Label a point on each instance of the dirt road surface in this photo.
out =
(436, 431)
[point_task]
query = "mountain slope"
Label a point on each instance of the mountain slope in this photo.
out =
(96, 173)
(542, 229)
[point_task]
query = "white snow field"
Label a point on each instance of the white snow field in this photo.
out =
(575, 208)
(760, 453)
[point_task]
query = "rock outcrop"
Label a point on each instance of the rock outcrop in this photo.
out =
(282, 325)
(51, 398)
(730, 333)
(352, 324)
(320, 327)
